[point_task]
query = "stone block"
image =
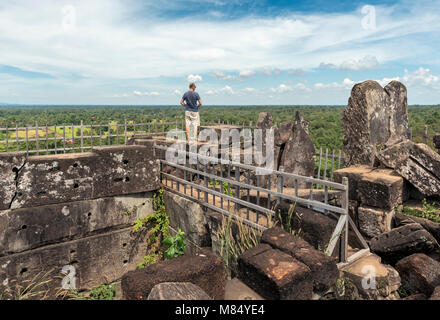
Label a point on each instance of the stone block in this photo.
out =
(97, 259)
(55, 179)
(299, 153)
(107, 171)
(275, 275)
(435, 294)
(314, 227)
(392, 156)
(125, 170)
(432, 227)
(10, 165)
(354, 175)
(324, 270)
(403, 241)
(436, 141)
(425, 181)
(382, 188)
(177, 291)
(374, 221)
(283, 133)
(419, 273)
(30, 228)
(373, 279)
(374, 117)
(205, 270)
(417, 163)
(188, 216)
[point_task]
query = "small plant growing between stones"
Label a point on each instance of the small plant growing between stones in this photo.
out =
(287, 225)
(103, 292)
(176, 245)
(402, 292)
(157, 227)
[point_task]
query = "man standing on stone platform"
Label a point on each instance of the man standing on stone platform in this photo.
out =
(191, 102)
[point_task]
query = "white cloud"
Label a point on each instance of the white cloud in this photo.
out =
(296, 72)
(366, 63)
(345, 84)
(152, 93)
(249, 90)
(269, 71)
(177, 92)
(246, 73)
(193, 78)
(285, 88)
(421, 76)
(226, 89)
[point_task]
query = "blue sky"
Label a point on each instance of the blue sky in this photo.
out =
(238, 52)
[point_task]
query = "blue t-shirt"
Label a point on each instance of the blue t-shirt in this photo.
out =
(190, 98)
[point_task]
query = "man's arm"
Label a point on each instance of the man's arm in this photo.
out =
(200, 103)
(182, 103)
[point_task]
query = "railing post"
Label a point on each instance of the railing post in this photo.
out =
(125, 131)
(280, 184)
(16, 136)
(37, 142)
(82, 136)
(237, 188)
(344, 234)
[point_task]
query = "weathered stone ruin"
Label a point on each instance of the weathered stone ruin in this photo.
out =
(298, 155)
(375, 118)
(385, 170)
(436, 140)
(74, 210)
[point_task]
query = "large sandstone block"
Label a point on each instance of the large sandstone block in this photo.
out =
(205, 270)
(299, 154)
(177, 291)
(314, 227)
(10, 165)
(425, 181)
(29, 228)
(265, 120)
(354, 175)
(275, 275)
(373, 279)
(393, 155)
(432, 227)
(188, 216)
(373, 118)
(125, 170)
(96, 259)
(386, 279)
(403, 241)
(324, 270)
(374, 221)
(283, 133)
(382, 188)
(107, 171)
(55, 178)
(419, 273)
(435, 294)
(436, 140)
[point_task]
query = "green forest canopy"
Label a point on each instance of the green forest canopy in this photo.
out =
(325, 121)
